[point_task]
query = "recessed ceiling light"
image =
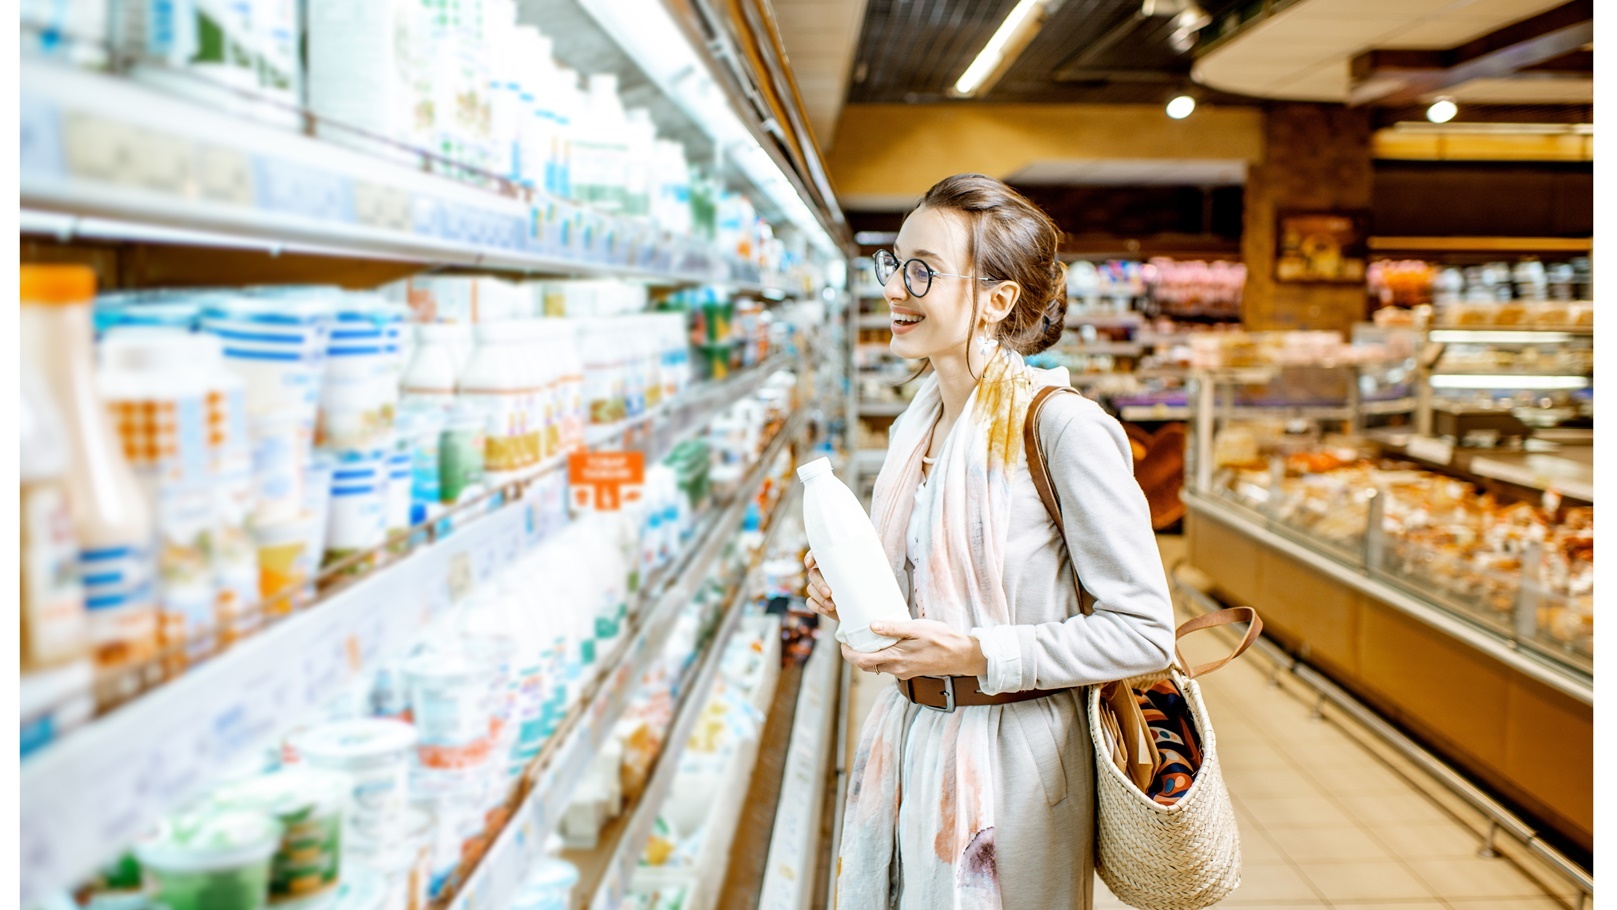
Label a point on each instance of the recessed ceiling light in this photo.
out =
(1181, 107)
(1442, 110)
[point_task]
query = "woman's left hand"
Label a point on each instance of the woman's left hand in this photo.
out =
(925, 647)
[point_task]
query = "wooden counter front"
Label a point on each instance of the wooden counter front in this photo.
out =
(1528, 743)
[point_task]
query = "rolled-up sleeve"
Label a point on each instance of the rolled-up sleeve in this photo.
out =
(1107, 526)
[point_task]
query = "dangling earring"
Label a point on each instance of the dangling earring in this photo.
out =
(986, 345)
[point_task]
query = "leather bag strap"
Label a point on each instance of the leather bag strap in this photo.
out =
(1036, 466)
(1221, 618)
(1052, 504)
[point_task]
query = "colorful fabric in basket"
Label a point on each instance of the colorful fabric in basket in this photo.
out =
(1168, 716)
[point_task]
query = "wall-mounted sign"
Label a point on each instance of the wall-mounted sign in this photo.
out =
(1322, 246)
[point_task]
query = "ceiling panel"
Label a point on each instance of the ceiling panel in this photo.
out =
(1269, 59)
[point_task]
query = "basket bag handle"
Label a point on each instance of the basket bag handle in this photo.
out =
(1052, 504)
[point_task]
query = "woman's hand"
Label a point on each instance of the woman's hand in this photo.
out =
(925, 647)
(819, 593)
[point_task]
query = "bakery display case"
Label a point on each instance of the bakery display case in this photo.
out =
(1407, 581)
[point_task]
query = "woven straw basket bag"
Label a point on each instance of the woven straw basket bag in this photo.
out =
(1186, 856)
(1180, 857)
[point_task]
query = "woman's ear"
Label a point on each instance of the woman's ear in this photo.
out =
(1001, 300)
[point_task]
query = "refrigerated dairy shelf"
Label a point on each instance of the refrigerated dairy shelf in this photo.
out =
(562, 764)
(91, 169)
(607, 872)
(872, 408)
(795, 839)
(152, 755)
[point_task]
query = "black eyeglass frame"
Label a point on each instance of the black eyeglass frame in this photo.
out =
(903, 268)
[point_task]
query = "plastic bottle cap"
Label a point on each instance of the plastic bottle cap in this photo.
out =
(813, 469)
(56, 284)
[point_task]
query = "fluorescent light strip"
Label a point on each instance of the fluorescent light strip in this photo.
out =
(992, 52)
(1507, 381)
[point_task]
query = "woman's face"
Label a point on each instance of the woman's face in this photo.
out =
(937, 325)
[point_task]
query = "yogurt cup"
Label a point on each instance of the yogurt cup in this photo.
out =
(211, 860)
(450, 703)
(285, 564)
(375, 754)
(550, 887)
(308, 803)
(280, 457)
(360, 394)
(456, 831)
(358, 511)
(401, 864)
(276, 340)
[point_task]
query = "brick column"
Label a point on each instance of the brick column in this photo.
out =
(1316, 156)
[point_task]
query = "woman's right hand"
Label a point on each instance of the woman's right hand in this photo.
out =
(819, 593)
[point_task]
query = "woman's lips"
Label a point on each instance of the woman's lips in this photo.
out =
(903, 322)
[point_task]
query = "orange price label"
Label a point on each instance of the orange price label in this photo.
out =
(603, 480)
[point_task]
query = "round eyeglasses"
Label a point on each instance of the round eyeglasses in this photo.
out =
(917, 274)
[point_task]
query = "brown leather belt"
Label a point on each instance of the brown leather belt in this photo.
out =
(950, 692)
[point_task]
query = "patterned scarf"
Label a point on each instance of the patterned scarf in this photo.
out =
(946, 828)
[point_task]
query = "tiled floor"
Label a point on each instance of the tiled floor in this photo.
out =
(1331, 819)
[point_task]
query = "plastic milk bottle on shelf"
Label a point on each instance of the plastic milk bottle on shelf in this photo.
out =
(111, 519)
(851, 558)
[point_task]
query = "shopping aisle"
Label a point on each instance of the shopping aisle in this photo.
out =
(1329, 819)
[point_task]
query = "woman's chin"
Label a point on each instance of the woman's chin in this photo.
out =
(906, 348)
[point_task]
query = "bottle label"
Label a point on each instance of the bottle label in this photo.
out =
(53, 599)
(118, 595)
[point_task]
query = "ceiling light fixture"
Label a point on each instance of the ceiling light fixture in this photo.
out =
(1181, 107)
(1017, 30)
(1442, 110)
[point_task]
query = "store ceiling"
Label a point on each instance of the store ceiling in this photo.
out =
(1087, 51)
(1132, 172)
(820, 38)
(1529, 52)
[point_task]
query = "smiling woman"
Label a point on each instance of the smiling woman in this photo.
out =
(987, 801)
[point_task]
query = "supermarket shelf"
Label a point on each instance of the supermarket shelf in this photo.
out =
(1506, 652)
(565, 759)
(157, 752)
(1144, 413)
(609, 870)
(794, 842)
(1520, 334)
(1389, 406)
(1104, 318)
(869, 461)
(1482, 244)
(1114, 348)
(868, 408)
(89, 796)
(875, 320)
(1571, 477)
(707, 398)
(90, 169)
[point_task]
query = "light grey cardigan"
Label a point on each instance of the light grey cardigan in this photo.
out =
(1044, 770)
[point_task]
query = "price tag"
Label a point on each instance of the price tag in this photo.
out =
(1426, 448)
(603, 481)
(461, 578)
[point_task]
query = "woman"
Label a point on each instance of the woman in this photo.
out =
(991, 805)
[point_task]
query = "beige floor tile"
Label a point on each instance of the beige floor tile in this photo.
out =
(1384, 905)
(1259, 783)
(1476, 877)
(1251, 754)
(1348, 843)
(1427, 840)
(1367, 777)
(1366, 881)
(1279, 813)
(1271, 882)
(1256, 846)
(1377, 809)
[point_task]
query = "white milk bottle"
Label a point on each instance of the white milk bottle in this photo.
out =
(851, 558)
(111, 520)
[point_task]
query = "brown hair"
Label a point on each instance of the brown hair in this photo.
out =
(1011, 240)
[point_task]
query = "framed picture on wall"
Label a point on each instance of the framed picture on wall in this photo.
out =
(1322, 246)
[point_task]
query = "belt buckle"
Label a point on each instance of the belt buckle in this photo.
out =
(948, 695)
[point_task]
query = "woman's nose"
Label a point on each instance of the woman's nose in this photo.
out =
(894, 290)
